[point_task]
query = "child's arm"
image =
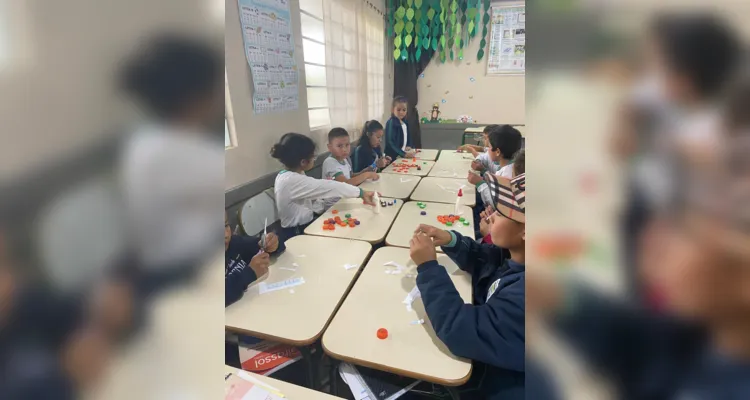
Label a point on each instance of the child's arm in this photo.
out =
(493, 333)
(357, 179)
(468, 254)
(305, 187)
(390, 139)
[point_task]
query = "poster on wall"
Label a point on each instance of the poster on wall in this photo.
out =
(269, 49)
(507, 55)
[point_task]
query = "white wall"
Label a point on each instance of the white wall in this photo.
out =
(489, 99)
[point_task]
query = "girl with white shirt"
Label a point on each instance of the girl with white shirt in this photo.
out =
(298, 196)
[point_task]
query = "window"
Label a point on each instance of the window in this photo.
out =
(230, 136)
(343, 46)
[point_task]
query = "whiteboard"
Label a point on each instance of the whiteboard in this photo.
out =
(507, 53)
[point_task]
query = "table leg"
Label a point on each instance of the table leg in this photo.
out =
(453, 392)
(307, 356)
(333, 378)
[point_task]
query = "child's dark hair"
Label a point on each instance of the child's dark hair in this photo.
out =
(487, 129)
(507, 139)
(336, 133)
(519, 162)
(172, 72)
(701, 46)
(399, 99)
(368, 129)
(292, 149)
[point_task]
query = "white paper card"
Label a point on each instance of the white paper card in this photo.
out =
(270, 287)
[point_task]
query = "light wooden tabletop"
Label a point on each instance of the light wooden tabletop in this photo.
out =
(409, 218)
(445, 190)
(376, 301)
(289, 390)
(372, 228)
(453, 155)
(424, 165)
(451, 168)
(298, 315)
(427, 154)
(392, 185)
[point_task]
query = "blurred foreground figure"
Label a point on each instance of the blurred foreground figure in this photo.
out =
(57, 340)
(698, 346)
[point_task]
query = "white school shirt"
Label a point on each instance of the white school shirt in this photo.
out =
(333, 168)
(406, 134)
(299, 196)
(484, 190)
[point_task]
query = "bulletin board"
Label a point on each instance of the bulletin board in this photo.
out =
(507, 54)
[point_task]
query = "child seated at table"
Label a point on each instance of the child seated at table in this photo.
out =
(368, 155)
(479, 152)
(298, 196)
(397, 138)
(504, 143)
(519, 167)
(337, 166)
(491, 330)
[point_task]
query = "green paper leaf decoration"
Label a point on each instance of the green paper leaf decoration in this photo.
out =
(451, 54)
(442, 41)
(418, 15)
(461, 54)
(409, 27)
(425, 30)
(399, 27)
(404, 55)
(430, 14)
(397, 41)
(400, 13)
(444, 3)
(453, 19)
(486, 18)
(416, 41)
(486, 5)
(396, 54)
(434, 44)
(480, 54)
(410, 2)
(407, 40)
(418, 3)
(454, 6)
(410, 14)
(457, 29)
(442, 16)
(418, 54)
(436, 30)
(442, 56)
(472, 31)
(426, 43)
(471, 13)
(483, 43)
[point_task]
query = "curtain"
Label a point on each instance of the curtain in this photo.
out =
(355, 63)
(405, 84)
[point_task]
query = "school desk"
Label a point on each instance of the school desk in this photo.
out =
(411, 349)
(445, 190)
(410, 217)
(458, 169)
(298, 315)
(427, 154)
(424, 166)
(372, 226)
(453, 155)
(392, 185)
(289, 390)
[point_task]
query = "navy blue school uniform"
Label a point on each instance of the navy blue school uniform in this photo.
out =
(649, 356)
(237, 272)
(364, 157)
(394, 137)
(491, 331)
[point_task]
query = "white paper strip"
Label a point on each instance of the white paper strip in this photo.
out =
(413, 295)
(350, 266)
(270, 287)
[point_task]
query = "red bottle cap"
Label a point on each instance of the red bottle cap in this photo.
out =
(382, 333)
(460, 193)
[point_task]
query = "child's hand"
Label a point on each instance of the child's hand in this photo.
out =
(409, 154)
(381, 163)
(461, 147)
(473, 151)
(422, 249)
(474, 178)
(439, 237)
(484, 227)
(272, 243)
(260, 264)
(408, 149)
(476, 165)
(368, 198)
(373, 175)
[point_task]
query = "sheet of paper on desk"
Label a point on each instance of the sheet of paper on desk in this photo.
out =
(270, 287)
(236, 388)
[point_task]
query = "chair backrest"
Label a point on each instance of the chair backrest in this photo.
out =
(253, 213)
(80, 234)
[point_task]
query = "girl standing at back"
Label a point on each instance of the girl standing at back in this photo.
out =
(398, 142)
(298, 196)
(368, 153)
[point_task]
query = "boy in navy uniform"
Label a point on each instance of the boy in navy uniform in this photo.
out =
(491, 330)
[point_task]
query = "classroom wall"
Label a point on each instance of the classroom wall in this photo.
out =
(489, 99)
(256, 134)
